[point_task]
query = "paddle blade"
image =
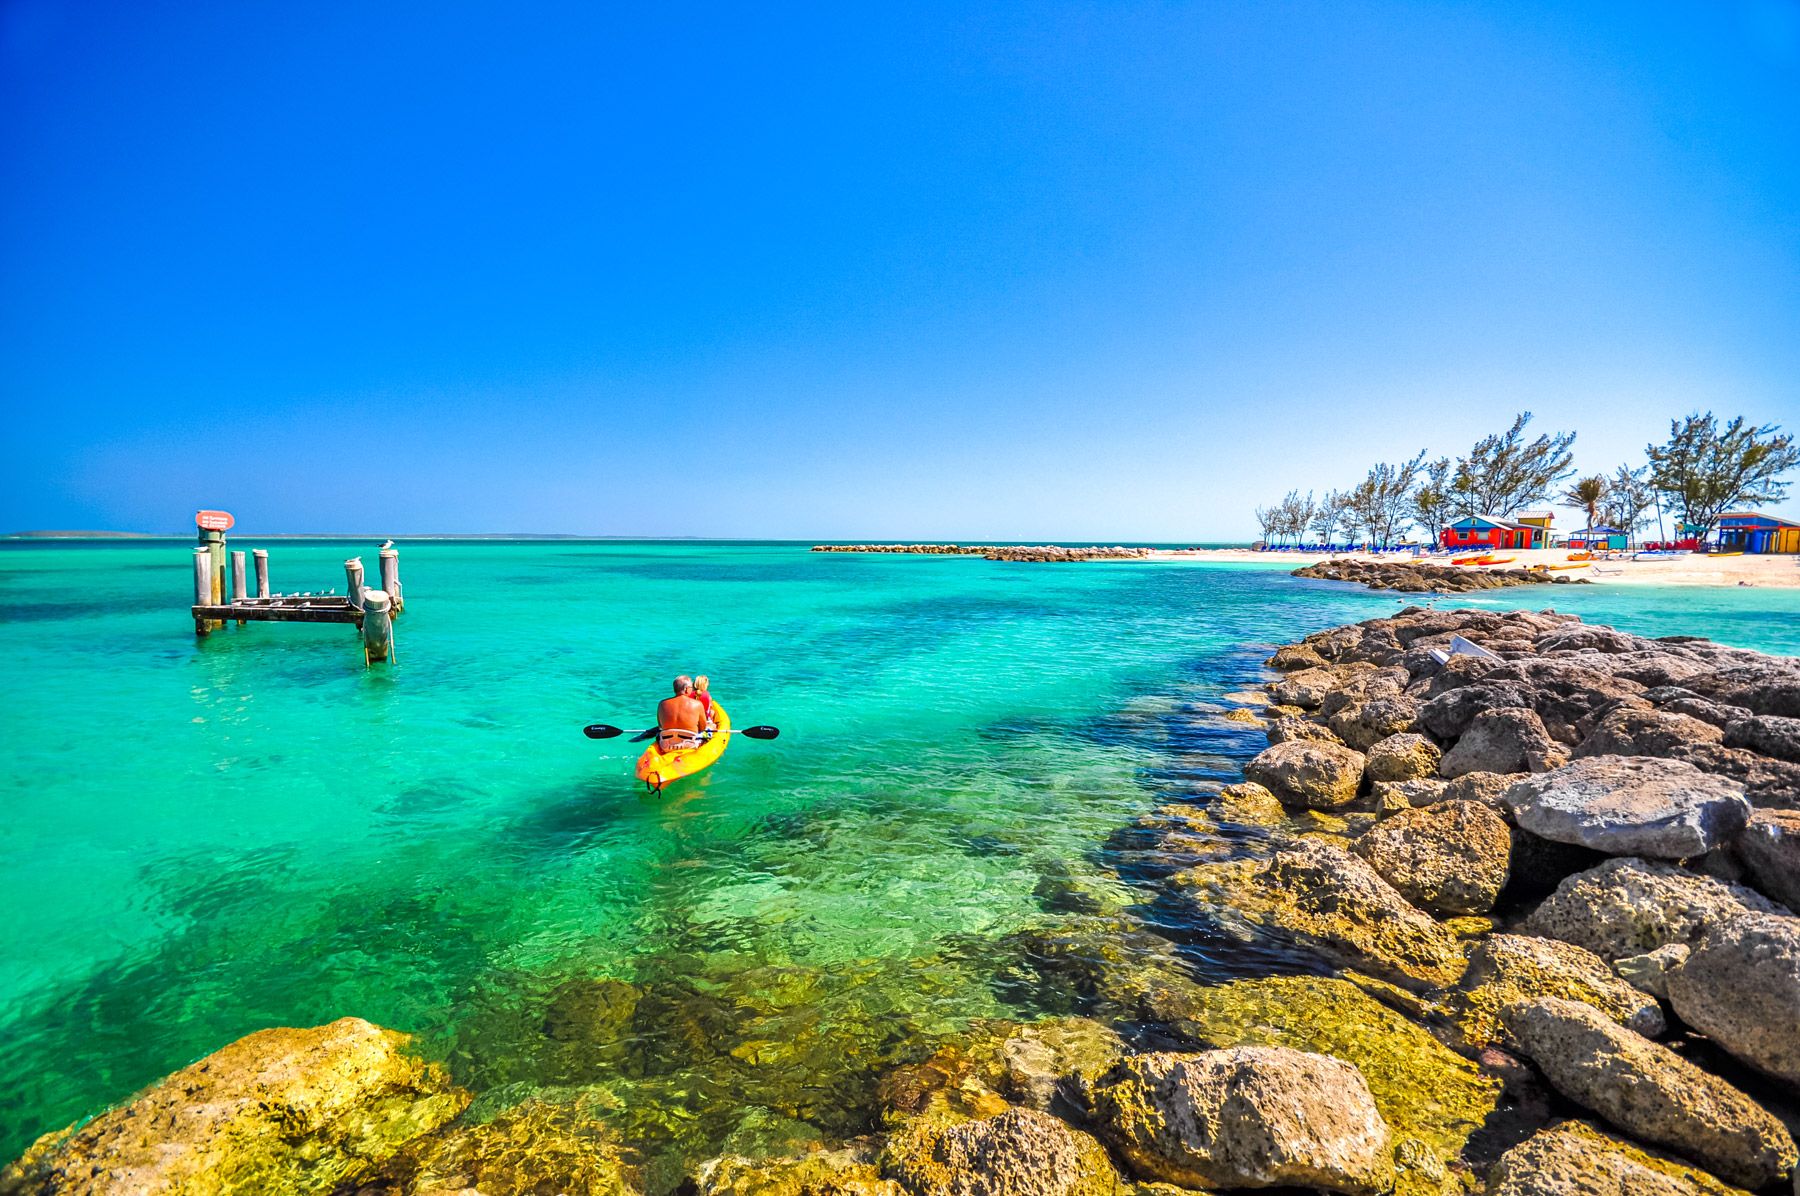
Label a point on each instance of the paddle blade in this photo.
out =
(601, 731)
(761, 732)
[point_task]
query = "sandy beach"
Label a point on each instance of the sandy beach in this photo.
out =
(1688, 569)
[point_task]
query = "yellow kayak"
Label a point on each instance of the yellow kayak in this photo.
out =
(657, 768)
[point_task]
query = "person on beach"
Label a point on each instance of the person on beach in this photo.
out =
(681, 721)
(702, 685)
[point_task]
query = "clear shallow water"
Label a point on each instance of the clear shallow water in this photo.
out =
(209, 837)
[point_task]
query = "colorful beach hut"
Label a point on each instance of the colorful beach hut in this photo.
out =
(1599, 539)
(1486, 531)
(1752, 531)
(1533, 528)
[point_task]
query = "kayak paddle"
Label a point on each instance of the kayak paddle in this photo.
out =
(603, 731)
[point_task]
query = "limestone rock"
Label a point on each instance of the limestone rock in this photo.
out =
(1316, 892)
(1363, 724)
(1625, 805)
(827, 1173)
(1295, 656)
(1508, 968)
(1449, 713)
(1306, 688)
(1769, 734)
(1248, 804)
(1449, 858)
(1770, 849)
(1504, 740)
(289, 1110)
(1741, 988)
(1630, 906)
(531, 1148)
(1650, 1092)
(1433, 1099)
(1649, 972)
(1407, 795)
(1573, 1158)
(1020, 1152)
(1407, 756)
(1247, 1117)
(1488, 788)
(1629, 732)
(1282, 730)
(1064, 1055)
(1320, 776)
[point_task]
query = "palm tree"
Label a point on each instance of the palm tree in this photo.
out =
(1588, 494)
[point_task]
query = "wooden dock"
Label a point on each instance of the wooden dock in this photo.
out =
(371, 611)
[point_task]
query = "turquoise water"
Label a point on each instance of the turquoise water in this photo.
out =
(206, 837)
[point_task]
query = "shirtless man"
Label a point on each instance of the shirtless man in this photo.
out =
(680, 720)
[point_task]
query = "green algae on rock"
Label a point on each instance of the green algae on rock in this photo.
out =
(1427, 1093)
(531, 1148)
(287, 1110)
(1020, 1152)
(827, 1173)
(1506, 968)
(1322, 895)
(1574, 1158)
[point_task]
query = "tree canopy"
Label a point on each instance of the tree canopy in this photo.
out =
(1504, 472)
(1705, 471)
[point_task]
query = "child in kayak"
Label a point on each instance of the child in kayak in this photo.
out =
(701, 695)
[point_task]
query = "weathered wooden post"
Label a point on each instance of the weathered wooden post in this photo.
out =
(237, 579)
(377, 628)
(202, 586)
(353, 581)
(262, 572)
(215, 548)
(390, 578)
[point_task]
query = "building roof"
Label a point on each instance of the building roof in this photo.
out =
(1758, 516)
(1490, 520)
(1598, 531)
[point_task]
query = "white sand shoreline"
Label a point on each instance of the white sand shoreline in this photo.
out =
(1683, 569)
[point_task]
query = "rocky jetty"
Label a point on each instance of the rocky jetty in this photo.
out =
(1036, 553)
(1418, 577)
(1502, 924)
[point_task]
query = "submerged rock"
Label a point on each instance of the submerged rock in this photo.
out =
(1058, 1056)
(1432, 1098)
(1020, 1152)
(1650, 1092)
(1625, 805)
(1248, 804)
(1629, 906)
(1741, 988)
(1333, 901)
(1573, 1158)
(1247, 1117)
(280, 1110)
(1449, 858)
(1311, 773)
(535, 1147)
(1507, 968)
(824, 1174)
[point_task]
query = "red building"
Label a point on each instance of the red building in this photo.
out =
(1486, 532)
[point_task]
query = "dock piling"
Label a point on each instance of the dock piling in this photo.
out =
(262, 571)
(237, 579)
(377, 627)
(353, 581)
(202, 586)
(389, 565)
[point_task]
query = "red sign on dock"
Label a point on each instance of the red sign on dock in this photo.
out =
(213, 521)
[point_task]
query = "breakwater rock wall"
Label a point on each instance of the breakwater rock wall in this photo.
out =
(1036, 553)
(1518, 924)
(1415, 577)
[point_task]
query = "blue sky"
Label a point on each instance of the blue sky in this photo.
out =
(1107, 271)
